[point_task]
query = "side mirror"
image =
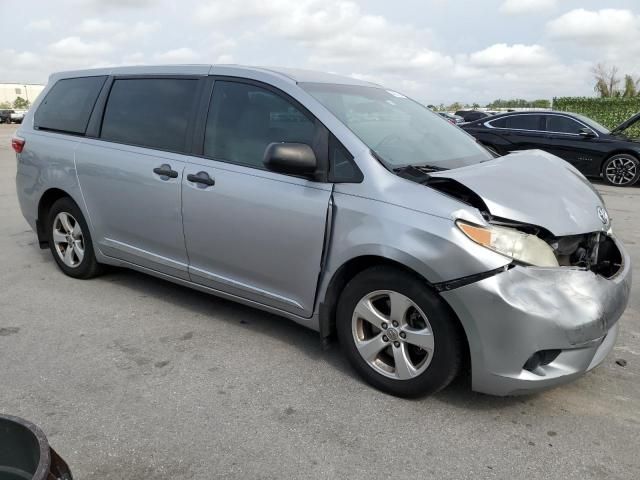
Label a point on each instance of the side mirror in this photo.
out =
(291, 158)
(587, 133)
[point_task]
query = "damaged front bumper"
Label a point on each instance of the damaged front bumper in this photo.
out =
(532, 328)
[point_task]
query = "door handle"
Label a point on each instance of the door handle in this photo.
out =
(165, 170)
(201, 178)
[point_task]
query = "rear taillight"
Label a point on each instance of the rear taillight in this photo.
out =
(17, 144)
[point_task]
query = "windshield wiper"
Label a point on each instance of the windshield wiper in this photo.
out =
(417, 173)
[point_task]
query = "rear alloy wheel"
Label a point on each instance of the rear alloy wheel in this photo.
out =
(621, 170)
(397, 333)
(70, 240)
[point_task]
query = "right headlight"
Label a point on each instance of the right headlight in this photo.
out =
(512, 243)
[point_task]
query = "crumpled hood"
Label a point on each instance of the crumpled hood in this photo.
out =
(537, 188)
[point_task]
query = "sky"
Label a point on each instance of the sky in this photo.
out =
(436, 51)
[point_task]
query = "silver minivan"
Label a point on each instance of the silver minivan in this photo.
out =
(344, 206)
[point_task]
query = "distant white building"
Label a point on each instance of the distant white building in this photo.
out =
(10, 91)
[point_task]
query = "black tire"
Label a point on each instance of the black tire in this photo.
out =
(87, 267)
(626, 165)
(448, 344)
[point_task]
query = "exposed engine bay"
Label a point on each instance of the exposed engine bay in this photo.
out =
(592, 251)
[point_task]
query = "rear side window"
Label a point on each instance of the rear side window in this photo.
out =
(498, 123)
(68, 105)
(149, 112)
(523, 122)
(559, 124)
(244, 119)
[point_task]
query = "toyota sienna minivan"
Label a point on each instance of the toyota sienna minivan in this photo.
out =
(340, 204)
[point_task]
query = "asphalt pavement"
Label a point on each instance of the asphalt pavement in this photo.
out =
(132, 378)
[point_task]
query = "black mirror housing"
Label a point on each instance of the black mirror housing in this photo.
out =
(290, 158)
(587, 132)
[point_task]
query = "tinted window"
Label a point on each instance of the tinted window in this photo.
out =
(150, 112)
(68, 105)
(523, 122)
(244, 119)
(498, 123)
(556, 123)
(341, 165)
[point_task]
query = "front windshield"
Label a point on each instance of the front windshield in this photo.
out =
(397, 129)
(592, 123)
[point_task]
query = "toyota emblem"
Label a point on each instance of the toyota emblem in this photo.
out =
(603, 215)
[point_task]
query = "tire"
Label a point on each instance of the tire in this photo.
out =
(65, 222)
(621, 170)
(423, 318)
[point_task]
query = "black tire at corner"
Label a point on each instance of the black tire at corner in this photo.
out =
(448, 351)
(89, 267)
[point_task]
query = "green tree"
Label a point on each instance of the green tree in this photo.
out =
(541, 103)
(21, 103)
(5, 105)
(630, 86)
(475, 106)
(454, 107)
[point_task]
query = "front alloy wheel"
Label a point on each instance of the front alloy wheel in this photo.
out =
(621, 170)
(392, 334)
(397, 333)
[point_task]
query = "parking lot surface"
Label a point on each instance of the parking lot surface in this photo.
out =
(132, 377)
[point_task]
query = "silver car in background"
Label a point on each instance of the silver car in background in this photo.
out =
(337, 203)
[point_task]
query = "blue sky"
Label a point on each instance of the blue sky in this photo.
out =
(434, 50)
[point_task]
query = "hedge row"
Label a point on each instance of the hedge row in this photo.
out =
(610, 112)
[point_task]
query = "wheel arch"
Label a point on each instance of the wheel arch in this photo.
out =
(618, 151)
(347, 271)
(48, 198)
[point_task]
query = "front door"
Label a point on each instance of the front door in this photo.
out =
(249, 232)
(566, 142)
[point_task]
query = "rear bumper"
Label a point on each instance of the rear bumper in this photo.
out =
(512, 315)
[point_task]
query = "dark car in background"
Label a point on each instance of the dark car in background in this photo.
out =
(5, 116)
(472, 115)
(455, 119)
(581, 141)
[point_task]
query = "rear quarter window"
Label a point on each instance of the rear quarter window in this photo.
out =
(68, 105)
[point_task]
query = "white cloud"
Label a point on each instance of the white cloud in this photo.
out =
(76, 47)
(511, 56)
(518, 7)
(224, 58)
(96, 26)
(122, 3)
(334, 32)
(135, 58)
(117, 31)
(603, 27)
(40, 25)
(177, 55)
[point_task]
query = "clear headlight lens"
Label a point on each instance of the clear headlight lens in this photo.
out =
(512, 243)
